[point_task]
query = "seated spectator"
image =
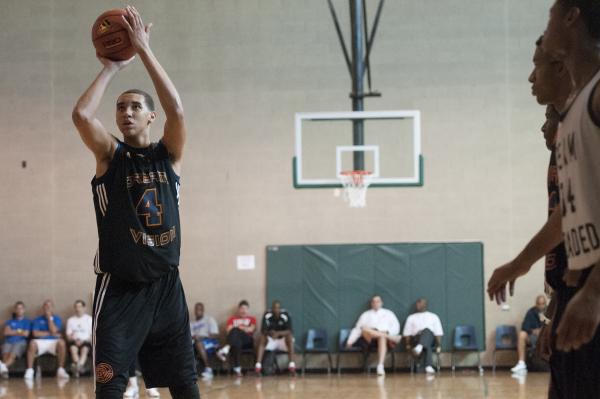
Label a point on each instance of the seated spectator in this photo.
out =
(79, 337)
(205, 333)
(16, 332)
(376, 328)
(276, 335)
(46, 338)
(423, 333)
(240, 332)
(530, 331)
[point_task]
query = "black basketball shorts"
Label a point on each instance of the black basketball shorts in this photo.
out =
(149, 321)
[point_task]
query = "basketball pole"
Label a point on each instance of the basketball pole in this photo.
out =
(358, 65)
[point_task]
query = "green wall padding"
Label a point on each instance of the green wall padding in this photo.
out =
(329, 286)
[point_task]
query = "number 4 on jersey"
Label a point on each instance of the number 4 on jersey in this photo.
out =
(149, 207)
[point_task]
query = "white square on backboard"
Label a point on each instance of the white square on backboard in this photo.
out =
(246, 262)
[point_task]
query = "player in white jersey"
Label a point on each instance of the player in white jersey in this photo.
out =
(573, 36)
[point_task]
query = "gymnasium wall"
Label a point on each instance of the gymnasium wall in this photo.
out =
(243, 68)
(329, 286)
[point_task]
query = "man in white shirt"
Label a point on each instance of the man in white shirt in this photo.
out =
(205, 333)
(79, 337)
(377, 327)
(422, 333)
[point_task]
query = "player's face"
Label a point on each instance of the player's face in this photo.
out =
(556, 39)
(199, 310)
(133, 116)
(47, 307)
(376, 303)
(541, 304)
(550, 127)
(421, 306)
(20, 310)
(276, 308)
(243, 311)
(546, 78)
(79, 308)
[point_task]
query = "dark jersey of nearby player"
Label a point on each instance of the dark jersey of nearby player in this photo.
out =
(556, 260)
(272, 323)
(137, 212)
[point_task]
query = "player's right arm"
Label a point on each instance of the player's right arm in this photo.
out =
(543, 242)
(92, 132)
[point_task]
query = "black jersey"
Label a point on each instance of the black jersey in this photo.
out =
(272, 323)
(556, 260)
(137, 212)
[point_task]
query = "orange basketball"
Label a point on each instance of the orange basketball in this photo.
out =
(110, 36)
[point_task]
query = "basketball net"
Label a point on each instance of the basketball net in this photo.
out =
(356, 183)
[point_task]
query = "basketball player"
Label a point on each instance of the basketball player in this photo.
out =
(573, 36)
(139, 304)
(551, 85)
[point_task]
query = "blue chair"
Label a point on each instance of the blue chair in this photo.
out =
(342, 338)
(506, 339)
(316, 343)
(465, 340)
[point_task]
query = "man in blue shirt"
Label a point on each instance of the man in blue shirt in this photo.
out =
(47, 338)
(530, 331)
(16, 331)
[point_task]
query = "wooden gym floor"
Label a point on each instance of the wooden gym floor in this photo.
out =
(463, 385)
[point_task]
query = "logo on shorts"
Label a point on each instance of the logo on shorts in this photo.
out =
(104, 373)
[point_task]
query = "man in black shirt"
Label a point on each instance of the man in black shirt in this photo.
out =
(276, 335)
(530, 331)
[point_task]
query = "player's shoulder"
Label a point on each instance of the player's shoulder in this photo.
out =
(593, 105)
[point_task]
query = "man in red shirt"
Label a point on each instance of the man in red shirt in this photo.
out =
(240, 332)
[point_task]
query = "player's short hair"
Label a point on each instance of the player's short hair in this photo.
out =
(147, 97)
(275, 302)
(590, 13)
(243, 302)
(198, 304)
(80, 301)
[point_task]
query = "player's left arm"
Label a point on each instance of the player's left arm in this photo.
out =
(174, 131)
(582, 316)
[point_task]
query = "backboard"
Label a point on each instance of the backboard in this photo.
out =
(324, 148)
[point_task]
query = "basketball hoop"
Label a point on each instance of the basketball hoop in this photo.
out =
(356, 183)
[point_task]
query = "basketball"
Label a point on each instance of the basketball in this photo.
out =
(110, 36)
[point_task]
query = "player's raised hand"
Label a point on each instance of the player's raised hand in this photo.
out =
(579, 322)
(115, 65)
(139, 34)
(503, 276)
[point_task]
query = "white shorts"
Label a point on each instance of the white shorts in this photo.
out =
(276, 344)
(46, 346)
